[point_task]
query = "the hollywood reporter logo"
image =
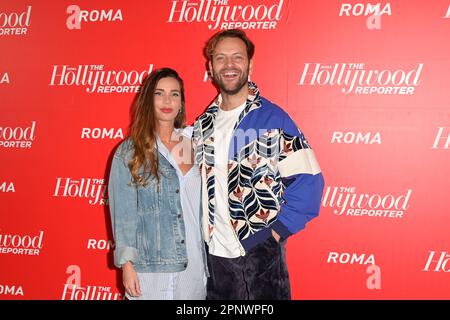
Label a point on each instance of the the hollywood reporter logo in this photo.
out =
(15, 23)
(347, 201)
(437, 262)
(21, 244)
(74, 291)
(89, 188)
(98, 79)
(223, 14)
(17, 137)
(356, 78)
(77, 16)
(442, 140)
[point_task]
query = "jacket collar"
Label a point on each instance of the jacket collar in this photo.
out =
(253, 102)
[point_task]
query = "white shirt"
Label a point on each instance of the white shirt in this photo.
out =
(224, 242)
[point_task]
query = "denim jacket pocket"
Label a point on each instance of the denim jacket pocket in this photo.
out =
(148, 197)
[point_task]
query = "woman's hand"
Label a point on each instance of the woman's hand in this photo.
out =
(130, 280)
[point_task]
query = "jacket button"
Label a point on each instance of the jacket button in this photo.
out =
(179, 215)
(177, 191)
(182, 241)
(185, 265)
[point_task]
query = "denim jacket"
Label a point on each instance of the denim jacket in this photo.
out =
(147, 224)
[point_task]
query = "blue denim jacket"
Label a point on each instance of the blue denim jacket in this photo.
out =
(147, 224)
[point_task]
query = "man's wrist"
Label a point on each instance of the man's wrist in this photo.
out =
(276, 235)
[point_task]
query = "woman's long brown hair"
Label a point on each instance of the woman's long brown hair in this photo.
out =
(144, 127)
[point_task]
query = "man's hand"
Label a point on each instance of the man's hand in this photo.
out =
(276, 235)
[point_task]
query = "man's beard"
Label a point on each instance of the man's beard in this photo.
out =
(242, 81)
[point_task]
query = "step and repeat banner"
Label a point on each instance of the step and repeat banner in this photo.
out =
(367, 82)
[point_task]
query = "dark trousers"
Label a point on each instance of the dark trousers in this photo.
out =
(259, 275)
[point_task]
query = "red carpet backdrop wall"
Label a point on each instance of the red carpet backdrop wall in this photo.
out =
(368, 84)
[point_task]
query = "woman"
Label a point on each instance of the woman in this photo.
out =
(154, 197)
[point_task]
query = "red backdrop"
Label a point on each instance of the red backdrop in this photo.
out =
(367, 83)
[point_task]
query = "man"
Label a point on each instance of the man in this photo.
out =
(260, 180)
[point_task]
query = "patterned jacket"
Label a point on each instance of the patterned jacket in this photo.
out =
(274, 180)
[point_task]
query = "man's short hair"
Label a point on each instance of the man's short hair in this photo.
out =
(230, 33)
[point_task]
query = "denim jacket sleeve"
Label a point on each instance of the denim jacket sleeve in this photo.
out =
(123, 209)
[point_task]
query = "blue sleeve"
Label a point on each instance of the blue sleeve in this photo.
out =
(302, 179)
(302, 199)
